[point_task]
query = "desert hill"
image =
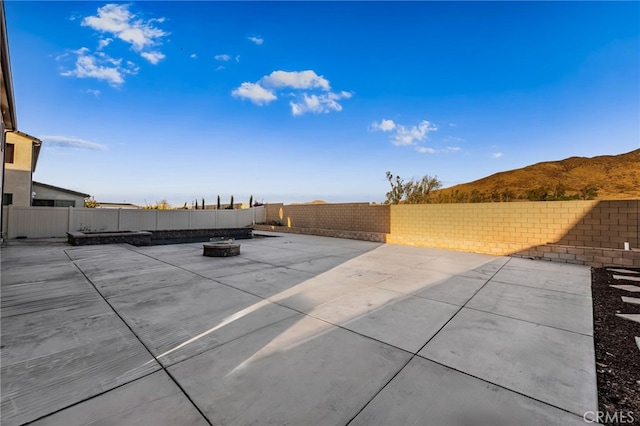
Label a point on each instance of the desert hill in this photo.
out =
(615, 176)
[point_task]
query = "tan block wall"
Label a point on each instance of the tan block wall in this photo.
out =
(519, 228)
(506, 228)
(273, 211)
(360, 217)
(334, 233)
(609, 224)
(592, 256)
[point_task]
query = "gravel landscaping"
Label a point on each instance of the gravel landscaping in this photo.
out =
(617, 353)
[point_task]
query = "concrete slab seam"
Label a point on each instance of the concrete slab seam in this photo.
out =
(90, 398)
(499, 386)
(538, 288)
(422, 347)
(140, 340)
(233, 340)
(465, 304)
(244, 291)
(287, 319)
(131, 248)
(356, 333)
(530, 322)
(266, 299)
(222, 276)
(517, 319)
(207, 278)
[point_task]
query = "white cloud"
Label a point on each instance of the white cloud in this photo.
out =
(99, 66)
(255, 93)
(69, 142)
(289, 83)
(116, 19)
(496, 155)
(153, 57)
(93, 92)
(256, 40)
(428, 150)
(384, 125)
(412, 135)
(237, 58)
(220, 67)
(86, 66)
(193, 56)
(318, 103)
(296, 80)
(224, 57)
(102, 43)
(425, 150)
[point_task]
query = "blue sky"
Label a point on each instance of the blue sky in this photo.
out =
(296, 101)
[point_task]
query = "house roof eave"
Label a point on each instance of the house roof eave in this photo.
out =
(57, 188)
(7, 101)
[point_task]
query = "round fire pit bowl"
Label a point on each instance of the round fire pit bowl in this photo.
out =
(221, 249)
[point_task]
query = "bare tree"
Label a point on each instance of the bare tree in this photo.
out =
(412, 192)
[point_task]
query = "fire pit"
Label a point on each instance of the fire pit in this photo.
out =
(221, 249)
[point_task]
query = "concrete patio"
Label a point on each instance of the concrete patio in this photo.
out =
(297, 330)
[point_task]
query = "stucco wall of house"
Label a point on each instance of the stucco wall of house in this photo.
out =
(18, 174)
(23, 152)
(18, 183)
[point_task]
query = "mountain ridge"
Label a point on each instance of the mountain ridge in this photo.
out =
(614, 176)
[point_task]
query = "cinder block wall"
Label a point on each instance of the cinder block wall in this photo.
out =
(506, 228)
(519, 228)
(361, 217)
(609, 224)
(273, 211)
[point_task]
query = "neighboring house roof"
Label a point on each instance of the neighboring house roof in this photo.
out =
(117, 205)
(7, 102)
(57, 188)
(37, 144)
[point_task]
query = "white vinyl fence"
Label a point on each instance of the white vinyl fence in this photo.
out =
(46, 222)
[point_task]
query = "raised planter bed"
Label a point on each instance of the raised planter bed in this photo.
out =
(147, 238)
(181, 236)
(136, 238)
